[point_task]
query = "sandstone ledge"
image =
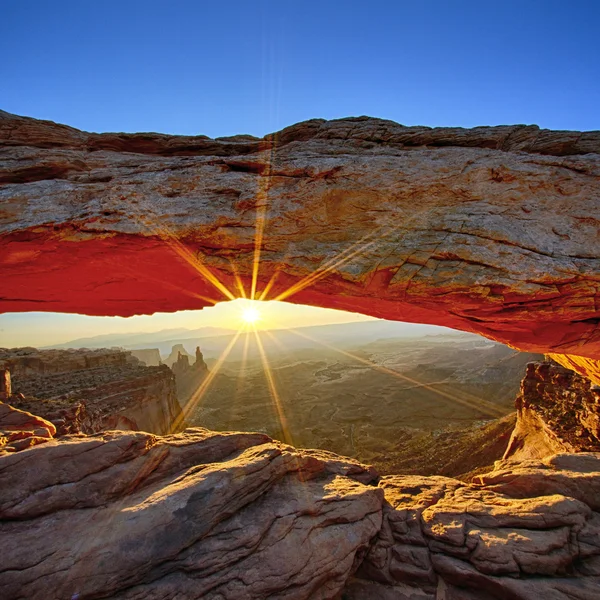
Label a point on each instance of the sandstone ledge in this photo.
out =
(238, 516)
(194, 515)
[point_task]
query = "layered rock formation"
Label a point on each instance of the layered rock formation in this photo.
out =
(176, 351)
(197, 515)
(557, 411)
(20, 429)
(92, 390)
(188, 377)
(149, 356)
(237, 516)
(526, 530)
(492, 230)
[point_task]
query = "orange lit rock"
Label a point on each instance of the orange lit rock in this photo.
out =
(20, 429)
(493, 230)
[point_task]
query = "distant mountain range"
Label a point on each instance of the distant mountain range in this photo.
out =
(142, 339)
(214, 340)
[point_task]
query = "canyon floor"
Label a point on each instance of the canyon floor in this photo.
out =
(435, 404)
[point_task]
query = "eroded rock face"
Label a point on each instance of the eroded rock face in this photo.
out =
(194, 515)
(188, 376)
(527, 530)
(20, 429)
(92, 390)
(238, 516)
(558, 410)
(492, 230)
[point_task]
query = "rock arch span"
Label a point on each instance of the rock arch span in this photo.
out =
(493, 230)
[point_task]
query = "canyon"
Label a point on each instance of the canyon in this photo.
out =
(88, 391)
(492, 230)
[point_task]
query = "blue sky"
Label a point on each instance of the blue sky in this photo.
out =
(222, 68)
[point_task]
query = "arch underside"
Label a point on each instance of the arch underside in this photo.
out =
(493, 230)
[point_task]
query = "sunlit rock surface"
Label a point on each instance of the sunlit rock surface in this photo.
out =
(194, 515)
(20, 429)
(528, 530)
(237, 516)
(557, 411)
(492, 230)
(88, 391)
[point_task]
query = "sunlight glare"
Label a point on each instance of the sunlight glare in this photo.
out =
(251, 315)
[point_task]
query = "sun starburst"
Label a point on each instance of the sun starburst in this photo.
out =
(251, 315)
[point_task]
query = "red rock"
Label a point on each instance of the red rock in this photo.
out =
(492, 230)
(20, 429)
(557, 411)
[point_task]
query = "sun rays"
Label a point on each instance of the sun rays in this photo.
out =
(251, 315)
(489, 409)
(251, 319)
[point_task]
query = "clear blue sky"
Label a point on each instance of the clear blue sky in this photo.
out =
(243, 66)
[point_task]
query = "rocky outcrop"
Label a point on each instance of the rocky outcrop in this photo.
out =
(149, 356)
(196, 515)
(20, 429)
(92, 390)
(491, 230)
(176, 351)
(528, 530)
(558, 410)
(237, 516)
(188, 377)
(5, 384)
(26, 363)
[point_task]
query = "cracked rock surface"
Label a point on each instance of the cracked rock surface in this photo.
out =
(492, 230)
(525, 530)
(193, 515)
(202, 514)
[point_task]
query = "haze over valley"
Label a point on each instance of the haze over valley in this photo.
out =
(405, 397)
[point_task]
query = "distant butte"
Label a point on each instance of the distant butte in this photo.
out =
(493, 230)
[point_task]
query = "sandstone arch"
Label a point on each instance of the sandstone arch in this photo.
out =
(494, 230)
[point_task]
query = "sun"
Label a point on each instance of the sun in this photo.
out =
(251, 315)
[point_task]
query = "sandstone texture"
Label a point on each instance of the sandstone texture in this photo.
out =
(237, 516)
(20, 429)
(526, 530)
(92, 390)
(194, 515)
(492, 230)
(558, 410)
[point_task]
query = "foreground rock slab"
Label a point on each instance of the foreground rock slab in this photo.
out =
(193, 515)
(237, 516)
(526, 530)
